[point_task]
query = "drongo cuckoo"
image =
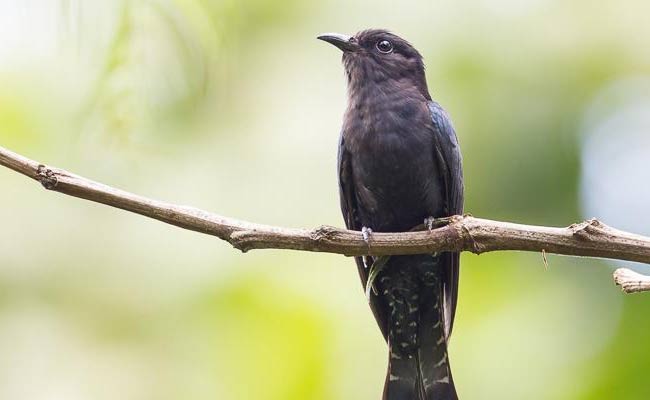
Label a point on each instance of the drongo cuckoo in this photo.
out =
(399, 164)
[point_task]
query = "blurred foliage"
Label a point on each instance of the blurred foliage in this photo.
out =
(234, 107)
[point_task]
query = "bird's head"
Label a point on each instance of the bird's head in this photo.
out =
(379, 57)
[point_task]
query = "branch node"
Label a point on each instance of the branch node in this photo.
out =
(588, 229)
(467, 236)
(46, 177)
(323, 233)
(239, 240)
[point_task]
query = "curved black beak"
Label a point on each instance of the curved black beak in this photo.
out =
(343, 42)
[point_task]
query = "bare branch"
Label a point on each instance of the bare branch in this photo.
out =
(590, 238)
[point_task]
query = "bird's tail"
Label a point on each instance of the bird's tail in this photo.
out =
(425, 373)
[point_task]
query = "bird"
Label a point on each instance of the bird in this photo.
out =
(399, 167)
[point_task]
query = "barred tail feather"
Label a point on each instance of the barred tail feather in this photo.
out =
(401, 378)
(434, 367)
(424, 374)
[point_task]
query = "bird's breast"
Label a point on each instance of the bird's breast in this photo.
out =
(393, 162)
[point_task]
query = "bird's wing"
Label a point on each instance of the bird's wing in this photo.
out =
(346, 187)
(450, 162)
(349, 208)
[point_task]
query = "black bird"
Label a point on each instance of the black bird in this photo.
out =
(399, 164)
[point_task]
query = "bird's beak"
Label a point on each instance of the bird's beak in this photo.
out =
(343, 42)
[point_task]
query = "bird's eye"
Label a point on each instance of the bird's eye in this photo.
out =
(384, 46)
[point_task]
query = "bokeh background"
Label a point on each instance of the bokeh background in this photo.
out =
(234, 107)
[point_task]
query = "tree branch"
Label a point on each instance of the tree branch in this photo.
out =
(590, 238)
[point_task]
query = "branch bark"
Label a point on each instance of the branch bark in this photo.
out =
(590, 238)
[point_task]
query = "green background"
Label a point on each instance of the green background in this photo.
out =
(235, 107)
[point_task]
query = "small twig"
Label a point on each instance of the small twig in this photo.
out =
(630, 281)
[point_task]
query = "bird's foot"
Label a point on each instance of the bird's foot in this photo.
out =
(366, 233)
(430, 223)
